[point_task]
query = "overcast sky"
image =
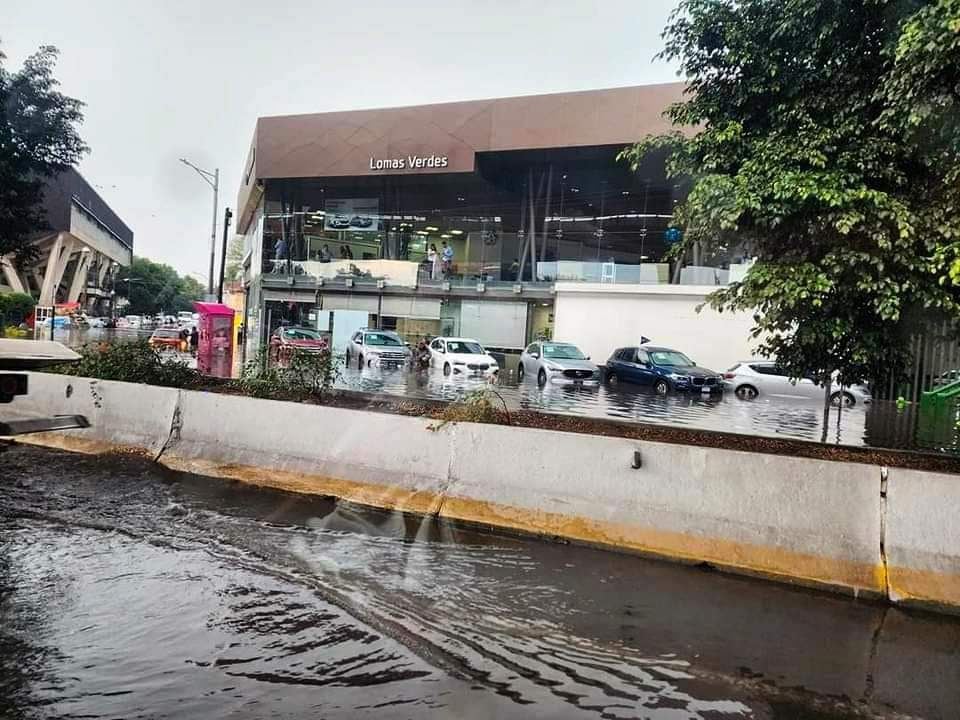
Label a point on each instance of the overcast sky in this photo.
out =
(171, 79)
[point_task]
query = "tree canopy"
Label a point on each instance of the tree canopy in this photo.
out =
(821, 138)
(154, 287)
(38, 138)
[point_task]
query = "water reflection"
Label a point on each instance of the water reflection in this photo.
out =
(772, 417)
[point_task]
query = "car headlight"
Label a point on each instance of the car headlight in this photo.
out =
(677, 376)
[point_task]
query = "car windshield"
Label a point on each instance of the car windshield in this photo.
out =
(670, 357)
(300, 334)
(462, 347)
(563, 352)
(382, 339)
(166, 333)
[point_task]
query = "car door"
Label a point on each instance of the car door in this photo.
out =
(619, 364)
(643, 368)
(532, 363)
(437, 351)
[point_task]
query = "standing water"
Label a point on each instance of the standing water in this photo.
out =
(129, 591)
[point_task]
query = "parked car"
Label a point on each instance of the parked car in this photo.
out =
(134, 321)
(287, 339)
(663, 369)
(557, 362)
(167, 339)
(361, 221)
(97, 322)
(184, 317)
(755, 378)
(377, 347)
(462, 356)
(340, 222)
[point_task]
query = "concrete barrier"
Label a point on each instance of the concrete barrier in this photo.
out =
(123, 416)
(794, 519)
(922, 537)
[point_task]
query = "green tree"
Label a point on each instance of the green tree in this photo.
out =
(790, 135)
(38, 138)
(155, 287)
(234, 267)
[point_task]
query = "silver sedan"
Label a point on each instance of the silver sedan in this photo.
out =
(560, 363)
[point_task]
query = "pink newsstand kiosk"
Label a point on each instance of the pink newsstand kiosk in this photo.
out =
(215, 344)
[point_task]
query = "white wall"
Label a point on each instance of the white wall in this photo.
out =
(601, 318)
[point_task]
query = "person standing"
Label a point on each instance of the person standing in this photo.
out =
(194, 340)
(325, 253)
(447, 259)
(433, 260)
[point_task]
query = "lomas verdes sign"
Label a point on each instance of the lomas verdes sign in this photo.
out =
(413, 162)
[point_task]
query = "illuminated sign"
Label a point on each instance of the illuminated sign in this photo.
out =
(410, 162)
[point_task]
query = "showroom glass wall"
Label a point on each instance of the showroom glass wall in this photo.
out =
(530, 216)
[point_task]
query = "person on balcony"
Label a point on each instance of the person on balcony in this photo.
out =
(447, 259)
(280, 253)
(325, 253)
(433, 259)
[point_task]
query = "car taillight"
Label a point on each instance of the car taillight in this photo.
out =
(729, 376)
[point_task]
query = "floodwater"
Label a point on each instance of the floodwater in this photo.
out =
(881, 424)
(127, 591)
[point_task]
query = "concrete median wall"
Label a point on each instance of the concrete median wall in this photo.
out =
(922, 537)
(794, 519)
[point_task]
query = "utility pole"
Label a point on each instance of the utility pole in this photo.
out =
(213, 180)
(227, 215)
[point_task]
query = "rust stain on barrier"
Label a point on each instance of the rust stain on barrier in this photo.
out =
(759, 561)
(937, 590)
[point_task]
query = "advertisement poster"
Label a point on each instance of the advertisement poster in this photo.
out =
(353, 214)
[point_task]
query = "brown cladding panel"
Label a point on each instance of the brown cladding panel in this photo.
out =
(342, 143)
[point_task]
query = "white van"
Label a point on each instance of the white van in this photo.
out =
(134, 321)
(185, 317)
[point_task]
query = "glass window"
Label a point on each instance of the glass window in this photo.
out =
(531, 349)
(437, 345)
(301, 334)
(765, 369)
(464, 347)
(562, 352)
(643, 357)
(625, 355)
(670, 358)
(381, 339)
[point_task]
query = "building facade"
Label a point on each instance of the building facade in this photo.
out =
(455, 218)
(79, 253)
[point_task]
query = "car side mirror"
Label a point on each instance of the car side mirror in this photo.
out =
(536, 355)
(587, 357)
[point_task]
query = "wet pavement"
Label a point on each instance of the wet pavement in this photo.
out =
(128, 591)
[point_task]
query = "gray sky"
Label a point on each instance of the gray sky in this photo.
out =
(171, 79)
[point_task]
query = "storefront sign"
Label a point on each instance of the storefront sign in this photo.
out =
(411, 162)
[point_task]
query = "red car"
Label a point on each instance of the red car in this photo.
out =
(168, 339)
(285, 340)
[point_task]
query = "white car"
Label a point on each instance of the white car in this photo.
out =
(557, 362)
(462, 356)
(369, 347)
(97, 322)
(763, 378)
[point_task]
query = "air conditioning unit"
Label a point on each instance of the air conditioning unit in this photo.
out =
(381, 284)
(517, 289)
(481, 287)
(446, 286)
(348, 282)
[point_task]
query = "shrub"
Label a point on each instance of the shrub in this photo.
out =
(478, 406)
(15, 308)
(133, 361)
(306, 376)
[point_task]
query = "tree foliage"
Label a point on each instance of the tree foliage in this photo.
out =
(154, 287)
(38, 138)
(235, 253)
(822, 138)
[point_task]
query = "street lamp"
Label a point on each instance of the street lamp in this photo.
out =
(213, 180)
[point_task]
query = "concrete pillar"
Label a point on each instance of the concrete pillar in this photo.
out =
(11, 275)
(56, 265)
(104, 266)
(79, 277)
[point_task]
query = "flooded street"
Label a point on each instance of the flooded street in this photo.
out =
(129, 591)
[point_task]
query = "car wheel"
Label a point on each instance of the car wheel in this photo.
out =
(846, 398)
(520, 371)
(541, 377)
(661, 387)
(446, 368)
(612, 379)
(746, 392)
